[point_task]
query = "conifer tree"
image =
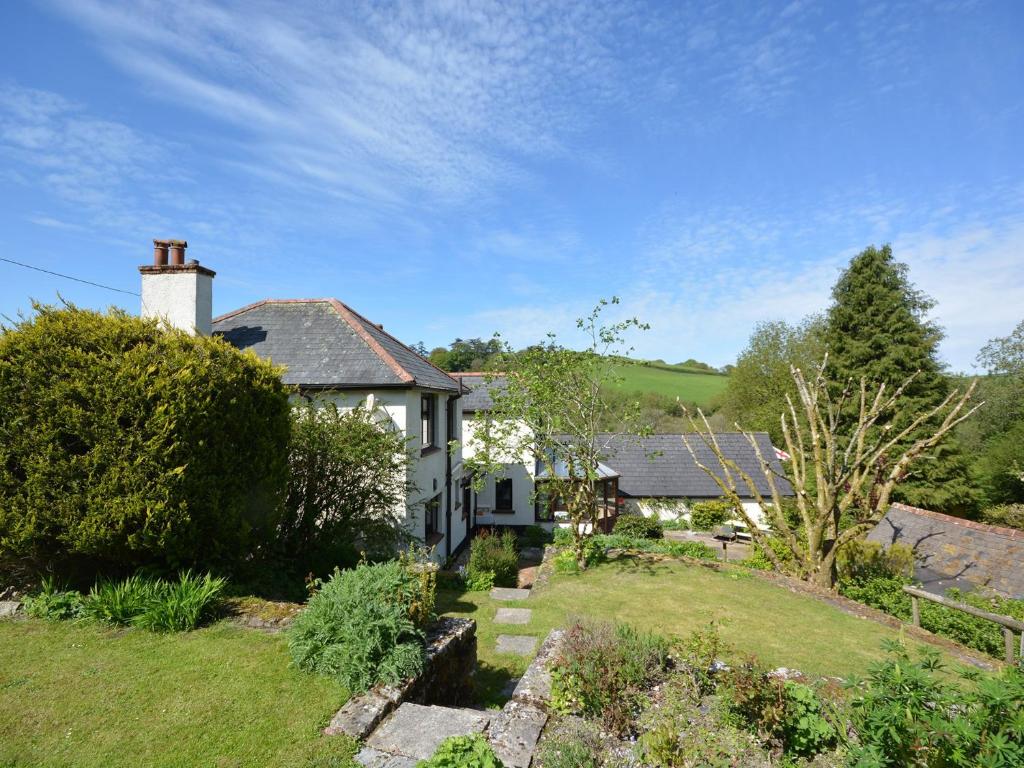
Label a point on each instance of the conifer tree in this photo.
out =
(877, 328)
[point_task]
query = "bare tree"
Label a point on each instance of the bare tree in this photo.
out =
(843, 470)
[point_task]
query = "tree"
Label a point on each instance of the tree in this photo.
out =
(996, 437)
(551, 409)
(760, 380)
(466, 355)
(844, 472)
(348, 481)
(877, 329)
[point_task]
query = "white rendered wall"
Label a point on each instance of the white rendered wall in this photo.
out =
(182, 299)
(672, 509)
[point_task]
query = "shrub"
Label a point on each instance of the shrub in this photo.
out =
(348, 473)
(701, 652)
(1006, 515)
(639, 527)
(360, 627)
(121, 602)
(887, 595)
(603, 670)
(861, 560)
(910, 712)
(695, 549)
(496, 555)
(123, 445)
(783, 714)
(759, 560)
(54, 603)
(155, 604)
(705, 515)
(535, 536)
(182, 605)
(463, 752)
(562, 537)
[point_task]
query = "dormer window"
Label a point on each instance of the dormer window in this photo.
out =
(428, 421)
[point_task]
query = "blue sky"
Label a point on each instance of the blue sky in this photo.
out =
(456, 169)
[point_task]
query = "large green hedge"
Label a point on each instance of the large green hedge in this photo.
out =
(123, 445)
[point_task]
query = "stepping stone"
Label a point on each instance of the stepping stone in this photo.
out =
(513, 616)
(417, 731)
(373, 758)
(507, 593)
(520, 645)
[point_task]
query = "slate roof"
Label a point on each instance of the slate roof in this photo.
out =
(951, 551)
(661, 466)
(325, 344)
(477, 396)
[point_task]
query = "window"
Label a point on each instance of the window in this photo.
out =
(503, 495)
(431, 516)
(428, 418)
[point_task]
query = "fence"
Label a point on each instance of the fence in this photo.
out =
(1008, 624)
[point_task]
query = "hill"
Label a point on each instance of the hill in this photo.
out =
(688, 383)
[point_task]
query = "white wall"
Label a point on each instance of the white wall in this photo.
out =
(519, 469)
(671, 509)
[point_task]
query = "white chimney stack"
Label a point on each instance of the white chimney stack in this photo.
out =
(179, 294)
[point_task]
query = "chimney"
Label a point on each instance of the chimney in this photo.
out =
(180, 294)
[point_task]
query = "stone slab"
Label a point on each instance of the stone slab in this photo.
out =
(360, 715)
(534, 686)
(514, 733)
(513, 616)
(507, 593)
(417, 731)
(374, 758)
(9, 608)
(520, 645)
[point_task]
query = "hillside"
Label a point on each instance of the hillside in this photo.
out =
(689, 384)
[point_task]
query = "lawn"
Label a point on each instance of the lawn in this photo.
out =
(693, 387)
(82, 695)
(674, 597)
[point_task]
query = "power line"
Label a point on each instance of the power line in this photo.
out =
(69, 277)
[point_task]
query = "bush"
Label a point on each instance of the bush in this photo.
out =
(759, 559)
(155, 604)
(182, 605)
(1006, 515)
(695, 549)
(362, 627)
(887, 595)
(348, 473)
(705, 515)
(54, 603)
(123, 445)
(562, 537)
(496, 555)
(535, 536)
(603, 671)
(463, 752)
(639, 527)
(785, 715)
(121, 602)
(861, 560)
(909, 712)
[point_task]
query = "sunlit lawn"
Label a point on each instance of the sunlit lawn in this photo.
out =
(675, 597)
(81, 695)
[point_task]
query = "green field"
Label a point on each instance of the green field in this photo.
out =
(672, 381)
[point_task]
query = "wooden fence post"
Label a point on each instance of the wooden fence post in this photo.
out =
(915, 609)
(1008, 642)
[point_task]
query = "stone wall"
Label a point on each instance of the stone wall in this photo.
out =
(447, 678)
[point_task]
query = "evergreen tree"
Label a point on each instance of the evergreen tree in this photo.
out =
(877, 328)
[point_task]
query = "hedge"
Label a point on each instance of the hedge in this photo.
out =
(123, 445)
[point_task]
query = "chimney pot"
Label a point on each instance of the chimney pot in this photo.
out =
(177, 248)
(159, 253)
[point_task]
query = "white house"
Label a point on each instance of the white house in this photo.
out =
(652, 476)
(331, 352)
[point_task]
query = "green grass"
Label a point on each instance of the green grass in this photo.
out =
(671, 381)
(674, 598)
(76, 694)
